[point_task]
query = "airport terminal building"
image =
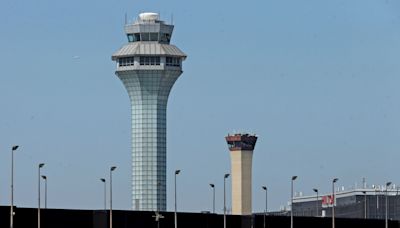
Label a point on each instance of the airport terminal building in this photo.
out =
(356, 203)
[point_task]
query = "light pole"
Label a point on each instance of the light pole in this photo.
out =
(40, 167)
(158, 216)
(365, 204)
(175, 214)
(266, 202)
(333, 201)
(111, 170)
(291, 202)
(377, 213)
(386, 204)
(45, 191)
(105, 192)
(159, 196)
(14, 148)
(316, 204)
(213, 187)
(225, 177)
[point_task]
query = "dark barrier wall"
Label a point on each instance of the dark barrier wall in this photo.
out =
(54, 218)
(57, 218)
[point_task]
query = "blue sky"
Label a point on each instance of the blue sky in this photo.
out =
(316, 80)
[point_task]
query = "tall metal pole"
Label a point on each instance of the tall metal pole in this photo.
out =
(317, 205)
(377, 204)
(159, 196)
(365, 204)
(104, 192)
(333, 201)
(14, 148)
(45, 191)
(175, 214)
(158, 215)
(225, 176)
(316, 202)
(266, 203)
(213, 187)
(214, 200)
(386, 204)
(39, 176)
(291, 202)
(111, 170)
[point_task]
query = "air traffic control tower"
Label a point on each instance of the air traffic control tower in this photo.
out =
(148, 66)
(241, 148)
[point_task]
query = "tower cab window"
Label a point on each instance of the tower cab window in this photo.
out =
(149, 36)
(152, 36)
(134, 37)
(173, 61)
(149, 60)
(145, 36)
(165, 38)
(127, 61)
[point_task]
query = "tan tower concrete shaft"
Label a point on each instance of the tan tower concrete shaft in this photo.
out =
(241, 165)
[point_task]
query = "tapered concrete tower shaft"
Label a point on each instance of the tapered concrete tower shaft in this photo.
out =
(241, 148)
(148, 66)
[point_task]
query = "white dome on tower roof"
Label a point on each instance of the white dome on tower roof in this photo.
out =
(149, 16)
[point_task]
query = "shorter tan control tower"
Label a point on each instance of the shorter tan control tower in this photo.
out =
(241, 148)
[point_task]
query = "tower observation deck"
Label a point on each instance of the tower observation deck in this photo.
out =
(148, 66)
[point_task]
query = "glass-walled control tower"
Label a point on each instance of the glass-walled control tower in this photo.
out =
(148, 66)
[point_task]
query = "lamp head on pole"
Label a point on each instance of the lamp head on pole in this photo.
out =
(294, 178)
(103, 180)
(212, 185)
(177, 171)
(226, 175)
(44, 177)
(335, 180)
(315, 190)
(41, 165)
(113, 168)
(264, 187)
(15, 147)
(388, 184)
